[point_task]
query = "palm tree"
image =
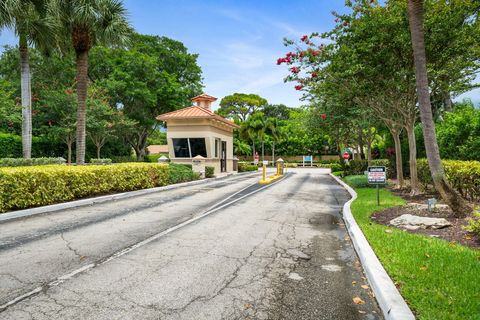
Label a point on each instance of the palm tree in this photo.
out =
(241, 147)
(27, 18)
(85, 23)
(448, 194)
(273, 128)
(253, 129)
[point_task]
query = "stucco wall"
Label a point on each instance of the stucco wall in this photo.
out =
(202, 128)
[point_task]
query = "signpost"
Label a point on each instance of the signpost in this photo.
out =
(308, 158)
(377, 175)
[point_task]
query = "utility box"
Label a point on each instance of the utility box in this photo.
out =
(198, 165)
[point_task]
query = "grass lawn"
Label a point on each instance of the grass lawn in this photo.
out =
(438, 279)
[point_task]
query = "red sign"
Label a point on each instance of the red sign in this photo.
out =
(346, 155)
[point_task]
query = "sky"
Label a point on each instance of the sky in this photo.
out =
(238, 42)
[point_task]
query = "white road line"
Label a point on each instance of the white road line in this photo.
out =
(124, 251)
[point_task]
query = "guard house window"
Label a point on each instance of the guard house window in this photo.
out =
(217, 147)
(197, 147)
(189, 147)
(180, 147)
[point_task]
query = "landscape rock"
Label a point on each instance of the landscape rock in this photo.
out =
(409, 221)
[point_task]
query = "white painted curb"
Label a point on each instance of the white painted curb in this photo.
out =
(388, 297)
(117, 196)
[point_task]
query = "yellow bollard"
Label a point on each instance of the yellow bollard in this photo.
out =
(264, 172)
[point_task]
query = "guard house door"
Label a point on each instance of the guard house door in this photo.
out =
(223, 160)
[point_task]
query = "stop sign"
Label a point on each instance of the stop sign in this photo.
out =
(346, 155)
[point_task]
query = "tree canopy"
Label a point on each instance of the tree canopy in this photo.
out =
(240, 105)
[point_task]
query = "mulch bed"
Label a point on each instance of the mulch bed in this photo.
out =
(454, 233)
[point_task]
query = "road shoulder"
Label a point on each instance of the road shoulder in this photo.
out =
(391, 302)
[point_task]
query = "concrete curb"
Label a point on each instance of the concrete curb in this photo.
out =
(12, 215)
(391, 302)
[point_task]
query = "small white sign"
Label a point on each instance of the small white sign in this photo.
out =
(265, 162)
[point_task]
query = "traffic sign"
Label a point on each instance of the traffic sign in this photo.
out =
(346, 155)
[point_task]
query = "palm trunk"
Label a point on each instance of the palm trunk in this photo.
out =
(448, 194)
(98, 151)
(69, 152)
(398, 156)
(273, 153)
(412, 147)
(26, 99)
(263, 151)
(253, 148)
(82, 85)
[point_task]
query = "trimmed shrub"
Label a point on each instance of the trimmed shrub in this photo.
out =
(23, 187)
(17, 162)
(338, 173)
(181, 173)
(123, 159)
(357, 181)
(10, 145)
(209, 172)
(246, 166)
(152, 158)
(473, 225)
(358, 167)
(44, 146)
(101, 161)
(291, 165)
(464, 176)
(334, 166)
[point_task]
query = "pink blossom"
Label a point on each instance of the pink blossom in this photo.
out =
(295, 70)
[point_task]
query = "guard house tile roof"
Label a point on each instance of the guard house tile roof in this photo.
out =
(195, 112)
(204, 97)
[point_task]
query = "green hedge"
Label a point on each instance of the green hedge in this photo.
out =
(357, 181)
(358, 167)
(11, 147)
(123, 159)
(17, 162)
(24, 187)
(464, 176)
(246, 166)
(180, 173)
(209, 172)
(101, 161)
(335, 166)
(291, 165)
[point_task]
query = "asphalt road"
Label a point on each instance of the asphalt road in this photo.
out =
(280, 252)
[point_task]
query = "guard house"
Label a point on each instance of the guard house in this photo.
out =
(196, 130)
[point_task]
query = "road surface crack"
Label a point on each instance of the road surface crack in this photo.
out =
(69, 247)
